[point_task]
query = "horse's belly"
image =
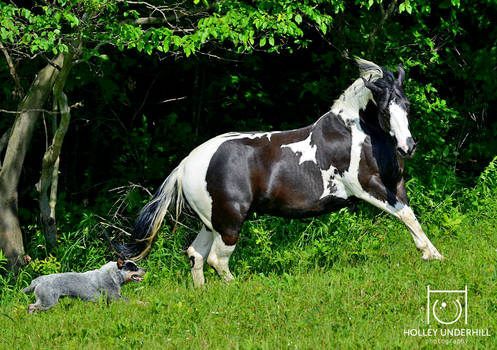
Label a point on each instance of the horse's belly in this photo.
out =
(300, 207)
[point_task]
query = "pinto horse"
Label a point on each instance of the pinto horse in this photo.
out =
(356, 150)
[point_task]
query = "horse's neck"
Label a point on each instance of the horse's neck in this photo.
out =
(351, 102)
(347, 108)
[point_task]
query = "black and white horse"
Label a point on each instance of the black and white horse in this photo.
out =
(356, 150)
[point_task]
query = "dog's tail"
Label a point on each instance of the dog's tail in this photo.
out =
(151, 216)
(29, 288)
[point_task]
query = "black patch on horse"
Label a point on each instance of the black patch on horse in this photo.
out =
(334, 140)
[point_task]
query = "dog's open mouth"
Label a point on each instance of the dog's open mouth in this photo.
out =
(137, 278)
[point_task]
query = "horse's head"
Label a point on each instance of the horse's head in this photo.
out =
(393, 108)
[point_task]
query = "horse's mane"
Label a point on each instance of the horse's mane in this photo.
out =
(356, 96)
(369, 70)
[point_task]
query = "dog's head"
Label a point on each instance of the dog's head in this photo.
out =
(130, 270)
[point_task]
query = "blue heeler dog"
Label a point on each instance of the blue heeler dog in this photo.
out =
(89, 286)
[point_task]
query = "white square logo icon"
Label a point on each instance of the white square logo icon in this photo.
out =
(446, 306)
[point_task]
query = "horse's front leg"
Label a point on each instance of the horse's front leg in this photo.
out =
(421, 241)
(376, 193)
(407, 216)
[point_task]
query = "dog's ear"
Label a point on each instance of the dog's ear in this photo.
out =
(120, 263)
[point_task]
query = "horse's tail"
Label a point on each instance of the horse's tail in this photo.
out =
(151, 216)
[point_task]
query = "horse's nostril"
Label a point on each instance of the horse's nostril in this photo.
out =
(401, 152)
(413, 148)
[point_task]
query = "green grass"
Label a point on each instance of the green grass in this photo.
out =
(353, 304)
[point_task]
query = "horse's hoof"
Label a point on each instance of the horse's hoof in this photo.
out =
(432, 256)
(228, 279)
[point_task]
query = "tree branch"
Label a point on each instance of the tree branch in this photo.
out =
(381, 23)
(19, 91)
(29, 111)
(163, 18)
(149, 21)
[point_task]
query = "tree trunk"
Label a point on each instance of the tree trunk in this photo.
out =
(3, 142)
(29, 110)
(50, 164)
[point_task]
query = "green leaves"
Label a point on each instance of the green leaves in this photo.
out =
(71, 19)
(267, 24)
(262, 42)
(405, 6)
(37, 32)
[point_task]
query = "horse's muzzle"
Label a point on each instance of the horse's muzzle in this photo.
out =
(411, 147)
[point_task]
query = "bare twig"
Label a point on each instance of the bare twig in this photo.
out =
(218, 57)
(168, 14)
(173, 99)
(123, 193)
(19, 90)
(28, 110)
(131, 185)
(145, 98)
(105, 223)
(77, 104)
(149, 21)
(176, 222)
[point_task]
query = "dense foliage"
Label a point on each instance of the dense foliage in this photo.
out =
(153, 80)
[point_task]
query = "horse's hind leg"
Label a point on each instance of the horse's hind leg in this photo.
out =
(219, 256)
(197, 253)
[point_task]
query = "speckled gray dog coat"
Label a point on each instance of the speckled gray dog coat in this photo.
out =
(89, 286)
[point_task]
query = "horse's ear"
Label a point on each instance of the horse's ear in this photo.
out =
(401, 74)
(371, 86)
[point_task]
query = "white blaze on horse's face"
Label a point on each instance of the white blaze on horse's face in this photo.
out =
(399, 128)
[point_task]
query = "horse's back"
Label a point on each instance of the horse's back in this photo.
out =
(277, 173)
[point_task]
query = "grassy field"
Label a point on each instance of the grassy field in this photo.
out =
(354, 304)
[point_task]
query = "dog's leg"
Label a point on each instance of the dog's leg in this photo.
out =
(39, 307)
(116, 296)
(197, 253)
(45, 299)
(31, 308)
